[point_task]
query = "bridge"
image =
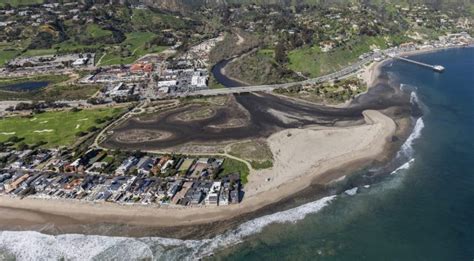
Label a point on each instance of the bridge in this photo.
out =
(436, 68)
(342, 74)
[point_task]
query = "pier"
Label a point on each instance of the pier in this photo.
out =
(436, 68)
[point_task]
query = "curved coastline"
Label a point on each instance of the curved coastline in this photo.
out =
(239, 231)
(65, 213)
(69, 216)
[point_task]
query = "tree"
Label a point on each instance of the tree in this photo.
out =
(92, 129)
(80, 134)
(280, 53)
(22, 146)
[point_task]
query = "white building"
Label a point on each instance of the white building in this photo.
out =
(199, 81)
(126, 166)
(212, 197)
(80, 62)
(167, 83)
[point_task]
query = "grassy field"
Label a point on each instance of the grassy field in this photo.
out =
(38, 52)
(55, 128)
(267, 52)
(71, 46)
(256, 152)
(20, 2)
(234, 166)
(6, 55)
(95, 31)
(258, 68)
(134, 46)
(311, 61)
(141, 17)
(131, 49)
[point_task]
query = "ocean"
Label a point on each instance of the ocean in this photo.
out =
(421, 211)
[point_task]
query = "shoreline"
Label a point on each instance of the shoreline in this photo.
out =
(260, 194)
(67, 216)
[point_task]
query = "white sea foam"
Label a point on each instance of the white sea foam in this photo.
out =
(36, 246)
(352, 191)
(405, 166)
(407, 147)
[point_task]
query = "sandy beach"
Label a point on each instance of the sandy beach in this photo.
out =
(371, 72)
(302, 157)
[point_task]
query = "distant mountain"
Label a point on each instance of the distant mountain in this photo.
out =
(180, 5)
(188, 5)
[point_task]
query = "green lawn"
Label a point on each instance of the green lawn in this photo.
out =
(38, 52)
(135, 47)
(55, 128)
(20, 2)
(257, 152)
(312, 61)
(234, 166)
(95, 31)
(145, 17)
(7, 55)
(71, 46)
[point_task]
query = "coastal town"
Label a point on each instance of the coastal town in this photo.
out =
(236, 130)
(156, 78)
(100, 176)
(121, 62)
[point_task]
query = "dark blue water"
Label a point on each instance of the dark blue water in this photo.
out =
(25, 86)
(423, 212)
(221, 78)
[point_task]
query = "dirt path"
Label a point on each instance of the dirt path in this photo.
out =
(100, 59)
(225, 154)
(240, 39)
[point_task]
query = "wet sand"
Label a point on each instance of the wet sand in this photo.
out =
(265, 188)
(271, 117)
(256, 115)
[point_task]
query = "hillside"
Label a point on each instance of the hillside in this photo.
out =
(187, 5)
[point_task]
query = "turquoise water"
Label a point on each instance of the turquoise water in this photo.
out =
(422, 212)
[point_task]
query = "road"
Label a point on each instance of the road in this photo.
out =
(343, 73)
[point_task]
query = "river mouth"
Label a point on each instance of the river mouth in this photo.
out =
(25, 86)
(256, 115)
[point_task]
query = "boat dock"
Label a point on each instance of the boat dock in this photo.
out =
(436, 68)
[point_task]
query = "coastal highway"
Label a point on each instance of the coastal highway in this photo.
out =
(344, 73)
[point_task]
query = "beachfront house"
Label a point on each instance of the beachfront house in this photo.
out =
(213, 195)
(145, 165)
(174, 188)
(126, 166)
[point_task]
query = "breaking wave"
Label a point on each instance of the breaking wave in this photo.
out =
(31, 245)
(407, 148)
(407, 151)
(404, 166)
